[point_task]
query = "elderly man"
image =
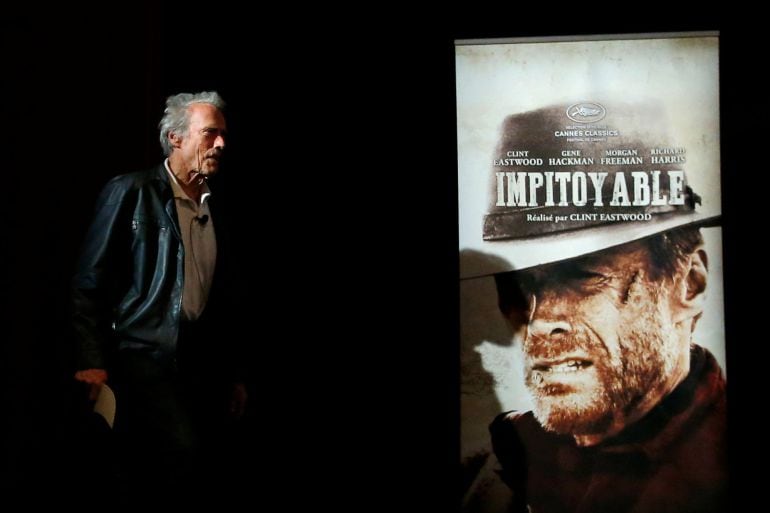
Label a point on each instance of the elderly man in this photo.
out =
(148, 302)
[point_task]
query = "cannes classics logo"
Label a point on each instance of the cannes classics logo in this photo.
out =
(586, 112)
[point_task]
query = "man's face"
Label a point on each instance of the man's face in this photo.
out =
(203, 144)
(599, 339)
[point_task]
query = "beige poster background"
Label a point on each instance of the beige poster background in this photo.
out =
(497, 80)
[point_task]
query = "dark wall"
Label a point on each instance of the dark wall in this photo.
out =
(56, 87)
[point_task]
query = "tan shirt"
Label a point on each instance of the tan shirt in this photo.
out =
(200, 247)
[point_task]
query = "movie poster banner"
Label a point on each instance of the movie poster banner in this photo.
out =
(592, 326)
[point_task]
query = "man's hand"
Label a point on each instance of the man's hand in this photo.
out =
(94, 378)
(238, 399)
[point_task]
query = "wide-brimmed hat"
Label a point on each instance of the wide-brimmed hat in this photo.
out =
(575, 178)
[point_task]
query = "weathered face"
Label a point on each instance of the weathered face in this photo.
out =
(599, 339)
(203, 144)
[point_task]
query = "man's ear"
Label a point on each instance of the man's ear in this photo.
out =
(690, 289)
(175, 140)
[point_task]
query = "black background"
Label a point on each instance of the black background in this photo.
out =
(342, 164)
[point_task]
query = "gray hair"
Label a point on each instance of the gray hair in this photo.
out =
(176, 118)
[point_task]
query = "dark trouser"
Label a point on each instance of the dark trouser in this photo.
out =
(169, 418)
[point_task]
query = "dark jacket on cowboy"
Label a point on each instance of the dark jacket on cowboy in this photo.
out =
(671, 461)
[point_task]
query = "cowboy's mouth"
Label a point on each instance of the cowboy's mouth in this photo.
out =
(561, 365)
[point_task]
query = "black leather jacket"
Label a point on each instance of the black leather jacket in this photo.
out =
(127, 291)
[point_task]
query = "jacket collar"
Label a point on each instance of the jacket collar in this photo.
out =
(702, 390)
(167, 197)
